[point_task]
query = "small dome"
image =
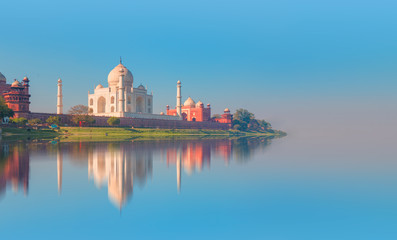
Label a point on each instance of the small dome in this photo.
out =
(179, 82)
(113, 77)
(141, 87)
(99, 86)
(59, 80)
(16, 83)
(189, 103)
(199, 104)
(161, 113)
(25, 79)
(227, 110)
(2, 78)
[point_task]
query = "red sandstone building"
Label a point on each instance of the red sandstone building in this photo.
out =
(16, 95)
(191, 111)
(17, 98)
(196, 112)
(226, 117)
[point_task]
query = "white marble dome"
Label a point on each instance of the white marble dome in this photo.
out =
(189, 103)
(113, 77)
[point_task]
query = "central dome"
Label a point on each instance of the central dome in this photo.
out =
(113, 77)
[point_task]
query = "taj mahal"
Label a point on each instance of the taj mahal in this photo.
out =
(122, 99)
(133, 105)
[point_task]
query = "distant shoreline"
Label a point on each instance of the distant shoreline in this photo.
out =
(124, 133)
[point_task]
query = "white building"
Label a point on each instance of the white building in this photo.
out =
(121, 99)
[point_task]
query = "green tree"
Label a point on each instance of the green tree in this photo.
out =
(244, 120)
(76, 119)
(80, 114)
(243, 115)
(5, 111)
(78, 110)
(237, 127)
(265, 126)
(20, 121)
(113, 121)
(53, 120)
(253, 125)
(34, 121)
(242, 126)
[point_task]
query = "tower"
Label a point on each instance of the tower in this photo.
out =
(121, 93)
(178, 99)
(26, 84)
(17, 98)
(60, 96)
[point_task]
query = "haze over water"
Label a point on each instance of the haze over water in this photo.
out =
(287, 188)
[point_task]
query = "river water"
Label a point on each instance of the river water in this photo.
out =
(248, 188)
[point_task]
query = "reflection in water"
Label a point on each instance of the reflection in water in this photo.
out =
(121, 165)
(118, 165)
(14, 168)
(59, 168)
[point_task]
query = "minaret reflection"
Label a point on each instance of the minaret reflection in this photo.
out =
(119, 165)
(123, 165)
(59, 169)
(189, 156)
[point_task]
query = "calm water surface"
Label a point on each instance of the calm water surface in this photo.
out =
(288, 188)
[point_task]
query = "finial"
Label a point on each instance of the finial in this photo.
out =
(121, 62)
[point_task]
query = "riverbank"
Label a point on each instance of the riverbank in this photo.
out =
(25, 134)
(121, 133)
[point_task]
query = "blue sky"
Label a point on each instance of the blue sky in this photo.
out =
(275, 58)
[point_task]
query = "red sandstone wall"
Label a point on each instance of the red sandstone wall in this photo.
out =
(138, 122)
(200, 114)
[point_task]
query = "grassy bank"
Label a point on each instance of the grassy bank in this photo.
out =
(24, 134)
(122, 133)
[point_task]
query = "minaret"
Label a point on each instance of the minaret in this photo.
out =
(178, 99)
(60, 96)
(26, 84)
(59, 167)
(121, 92)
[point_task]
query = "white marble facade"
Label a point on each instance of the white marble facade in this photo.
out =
(120, 98)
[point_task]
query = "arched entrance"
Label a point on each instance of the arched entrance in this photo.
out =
(101, 105)
(140, 104)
